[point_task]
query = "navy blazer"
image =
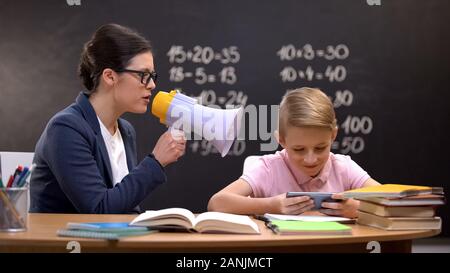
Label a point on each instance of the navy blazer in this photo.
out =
(73, 172)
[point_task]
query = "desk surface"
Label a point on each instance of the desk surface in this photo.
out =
(41, 237)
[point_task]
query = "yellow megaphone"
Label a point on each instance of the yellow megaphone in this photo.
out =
(220, 126)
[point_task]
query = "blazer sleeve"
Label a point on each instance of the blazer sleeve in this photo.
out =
(70, 155)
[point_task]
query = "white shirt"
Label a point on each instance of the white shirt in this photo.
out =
(116, 152)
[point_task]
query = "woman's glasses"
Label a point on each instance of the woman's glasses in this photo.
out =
(145, 75)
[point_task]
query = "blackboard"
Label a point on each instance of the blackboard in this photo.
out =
(385, 64)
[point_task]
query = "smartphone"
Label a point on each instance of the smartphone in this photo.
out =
(318, 197)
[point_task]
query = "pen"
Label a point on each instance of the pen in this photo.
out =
(23, 180)
(10, 181)
(16, 179)
(18, 170)
(268, 223)
(15, 176)
(19, 177)
(272, 227)
(262, 218)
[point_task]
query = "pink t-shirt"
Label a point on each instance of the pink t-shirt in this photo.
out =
(273, 174)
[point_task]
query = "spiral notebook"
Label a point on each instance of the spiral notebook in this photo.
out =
(107, 230)
(105, 227)
(98, 234)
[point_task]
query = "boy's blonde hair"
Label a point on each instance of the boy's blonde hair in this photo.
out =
(306, 107)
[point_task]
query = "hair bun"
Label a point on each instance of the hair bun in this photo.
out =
(85, 71)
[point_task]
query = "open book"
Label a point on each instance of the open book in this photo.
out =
(207, 222)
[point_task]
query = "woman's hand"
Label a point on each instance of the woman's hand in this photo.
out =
(292, 205)
(346, 208)
(170, 146)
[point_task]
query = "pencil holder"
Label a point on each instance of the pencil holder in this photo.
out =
(13, 209)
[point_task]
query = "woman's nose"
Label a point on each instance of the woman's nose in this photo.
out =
(151, 85)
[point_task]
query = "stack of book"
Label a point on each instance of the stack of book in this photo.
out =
(399, 207)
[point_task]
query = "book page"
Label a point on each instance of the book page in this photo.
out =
(229, 221)
(165, 217)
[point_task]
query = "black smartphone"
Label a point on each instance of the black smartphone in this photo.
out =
(318, 197)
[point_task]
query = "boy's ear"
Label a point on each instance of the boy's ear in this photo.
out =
(280, 139)
(109, 77)
(334, 134)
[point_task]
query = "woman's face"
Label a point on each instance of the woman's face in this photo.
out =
(131, 94)
(308, 148)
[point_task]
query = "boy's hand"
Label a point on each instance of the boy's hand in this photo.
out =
(346, 208)
(292, 205)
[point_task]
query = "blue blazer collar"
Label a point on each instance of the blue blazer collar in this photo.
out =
(91, 117)
(88, 112)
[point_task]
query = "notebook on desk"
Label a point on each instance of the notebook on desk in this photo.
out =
(97, 234)
(286, 227)
(309, 218)
(102, 230)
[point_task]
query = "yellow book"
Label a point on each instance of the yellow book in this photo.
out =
(392, 190)
(417, 200)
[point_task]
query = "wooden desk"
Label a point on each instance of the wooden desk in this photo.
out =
(41, 237)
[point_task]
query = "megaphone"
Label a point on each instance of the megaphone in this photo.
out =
(219, 126)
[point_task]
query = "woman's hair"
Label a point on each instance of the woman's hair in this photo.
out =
(111, 46)
(306, 107)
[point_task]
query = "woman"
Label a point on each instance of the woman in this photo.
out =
(86, 157)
